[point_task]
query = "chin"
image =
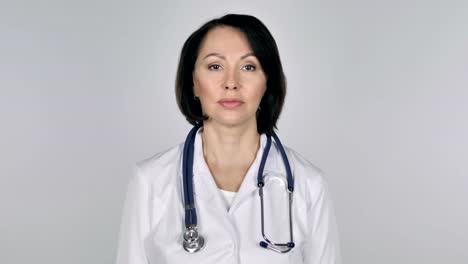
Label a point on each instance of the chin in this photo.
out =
(231, 120)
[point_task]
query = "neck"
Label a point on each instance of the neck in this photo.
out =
(230, 147)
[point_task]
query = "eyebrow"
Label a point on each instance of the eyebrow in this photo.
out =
(222, 57)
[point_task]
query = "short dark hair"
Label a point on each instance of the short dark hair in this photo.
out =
(265, 49)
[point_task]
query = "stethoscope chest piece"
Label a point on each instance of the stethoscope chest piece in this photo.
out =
(193, 242)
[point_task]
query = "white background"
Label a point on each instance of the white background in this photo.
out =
(377, 98)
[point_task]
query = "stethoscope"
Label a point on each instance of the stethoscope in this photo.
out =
(193, 241)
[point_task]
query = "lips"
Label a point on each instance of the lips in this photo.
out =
(230, 103)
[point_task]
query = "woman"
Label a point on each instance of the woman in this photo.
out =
(230, 85)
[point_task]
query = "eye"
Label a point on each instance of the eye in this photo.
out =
(214, 67)
(250, 67)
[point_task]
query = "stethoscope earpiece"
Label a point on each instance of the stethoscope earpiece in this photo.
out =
(282, 248)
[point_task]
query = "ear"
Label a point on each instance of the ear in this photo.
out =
(194, 87)
(196, 93)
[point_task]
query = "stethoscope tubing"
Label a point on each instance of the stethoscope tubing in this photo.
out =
(267, 243)
(190, 210)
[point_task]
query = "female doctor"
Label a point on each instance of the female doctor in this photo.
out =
(231, 193)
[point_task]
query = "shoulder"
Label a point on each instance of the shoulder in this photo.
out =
(309, 179)
(160, 165)
(301, 165)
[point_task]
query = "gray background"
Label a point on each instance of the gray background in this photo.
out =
(377, 99)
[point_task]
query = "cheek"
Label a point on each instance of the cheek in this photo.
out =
(207, 92)
(259, 91)
(204, 87)
(257, 82)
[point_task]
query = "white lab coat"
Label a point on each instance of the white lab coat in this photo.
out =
(153, 215)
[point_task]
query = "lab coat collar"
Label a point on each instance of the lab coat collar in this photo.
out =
(205, 184)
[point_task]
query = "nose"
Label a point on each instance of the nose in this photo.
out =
(231, 80)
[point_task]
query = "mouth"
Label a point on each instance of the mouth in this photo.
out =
(230, 103)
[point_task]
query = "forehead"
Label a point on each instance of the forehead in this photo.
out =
(225, 39)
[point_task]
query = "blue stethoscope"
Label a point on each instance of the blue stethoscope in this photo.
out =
(193, 241)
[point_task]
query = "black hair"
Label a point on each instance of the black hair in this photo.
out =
(264, 48)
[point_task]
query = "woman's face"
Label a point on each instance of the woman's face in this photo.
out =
(228, 79)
